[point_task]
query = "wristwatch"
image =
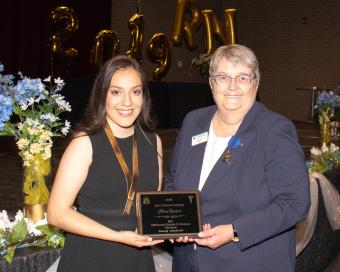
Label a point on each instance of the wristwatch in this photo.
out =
(235, 237)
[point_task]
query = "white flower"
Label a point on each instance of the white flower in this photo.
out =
(32, 226)
(4, 220)
(33, 122)
(30, 101)
(48, 79)
(66, 128)
(19, 215)
(24, 106)
(49, 116)
(315, 151)
(59, 81)
(62, 104)
(333, 147)
(324, 148)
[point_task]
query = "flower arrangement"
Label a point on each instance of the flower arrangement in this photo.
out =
(323, 159)
(201, 63)
(326, 105)
(29, 111)
(34, 109)
(23, 232)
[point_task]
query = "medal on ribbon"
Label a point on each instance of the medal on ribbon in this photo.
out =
(233, 143)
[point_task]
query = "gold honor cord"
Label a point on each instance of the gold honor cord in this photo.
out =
(130, 182)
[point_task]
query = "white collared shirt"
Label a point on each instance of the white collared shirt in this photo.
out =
(213, 151)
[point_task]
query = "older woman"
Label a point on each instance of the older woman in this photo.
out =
(250, 169)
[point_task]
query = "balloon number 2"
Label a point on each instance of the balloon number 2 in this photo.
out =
(68, 20)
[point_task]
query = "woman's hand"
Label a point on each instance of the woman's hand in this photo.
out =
(215, 237)
(133, 239)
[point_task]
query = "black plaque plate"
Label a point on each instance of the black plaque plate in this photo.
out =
(169, 214)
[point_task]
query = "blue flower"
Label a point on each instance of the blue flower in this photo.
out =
(27, 88)
(6, 109)
(326, 104)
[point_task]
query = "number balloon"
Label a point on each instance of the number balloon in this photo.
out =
(136, 26)
(183, 27)
(158, 51)
(69, 24)
(106, 45)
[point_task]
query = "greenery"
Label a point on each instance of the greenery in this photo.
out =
(23, 232)
(201, 63)
(324, 159)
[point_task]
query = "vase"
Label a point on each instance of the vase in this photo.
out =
(35, 191)
(325, 133)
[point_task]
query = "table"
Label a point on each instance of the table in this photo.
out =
(30, 259)
(324, 245)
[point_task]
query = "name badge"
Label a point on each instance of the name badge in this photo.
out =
(200, 138)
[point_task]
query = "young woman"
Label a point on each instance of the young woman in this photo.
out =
(112, 155)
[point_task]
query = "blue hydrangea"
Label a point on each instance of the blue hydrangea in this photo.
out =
(6, 80)
(6, 109)
(27, 88)
(329, 99)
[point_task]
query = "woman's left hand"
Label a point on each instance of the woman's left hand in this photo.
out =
(215, 237)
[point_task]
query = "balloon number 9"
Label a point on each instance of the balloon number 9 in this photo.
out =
(158, 51)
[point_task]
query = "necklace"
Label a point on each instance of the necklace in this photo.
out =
(131, 182)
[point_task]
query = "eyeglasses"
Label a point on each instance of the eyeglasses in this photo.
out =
(222, 80)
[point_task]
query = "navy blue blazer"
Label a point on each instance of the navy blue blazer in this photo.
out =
(263, 192)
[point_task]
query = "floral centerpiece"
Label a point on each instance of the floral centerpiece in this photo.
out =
(201, 63)
(22, 232)
(323, 159)
(327, 104)
(29, 111)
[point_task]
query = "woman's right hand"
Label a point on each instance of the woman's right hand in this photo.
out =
(133, 239)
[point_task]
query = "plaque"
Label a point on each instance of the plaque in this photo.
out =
(169, 214)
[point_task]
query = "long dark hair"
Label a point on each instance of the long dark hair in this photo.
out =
(94, 118)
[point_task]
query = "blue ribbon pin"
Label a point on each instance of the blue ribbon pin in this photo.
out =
(233, 143)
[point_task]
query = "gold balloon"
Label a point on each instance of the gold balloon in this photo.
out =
(106, 45)
(68, 20)
(184, 28)
(136, 26)
(213, 29)
(159, 51)
(229, 15)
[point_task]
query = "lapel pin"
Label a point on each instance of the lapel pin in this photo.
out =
(233, 143)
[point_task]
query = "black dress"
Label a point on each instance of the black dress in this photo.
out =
(102, 198)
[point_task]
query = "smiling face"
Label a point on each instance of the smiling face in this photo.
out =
(233, 95)
(124, 101)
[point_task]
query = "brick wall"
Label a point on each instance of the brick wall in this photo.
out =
(297, 43)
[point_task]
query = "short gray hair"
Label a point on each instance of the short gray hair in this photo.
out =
(235, 53)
